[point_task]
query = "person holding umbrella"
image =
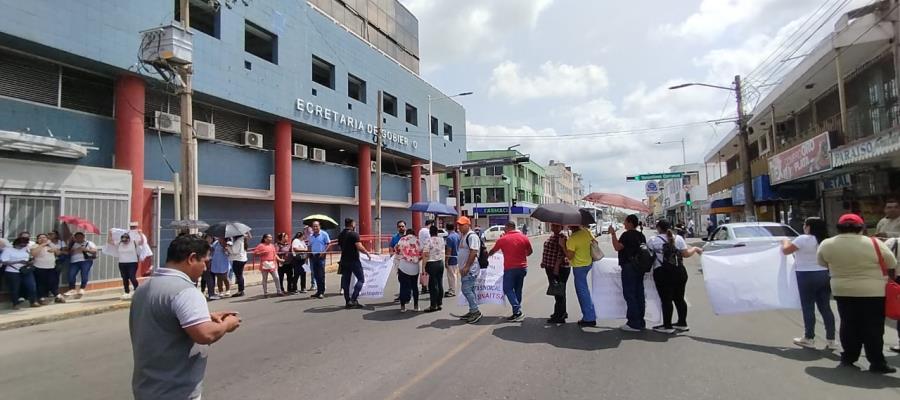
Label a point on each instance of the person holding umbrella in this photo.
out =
(82, 254)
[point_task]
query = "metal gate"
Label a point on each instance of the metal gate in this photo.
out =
(27, 213)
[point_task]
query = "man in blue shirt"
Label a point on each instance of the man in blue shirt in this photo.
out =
(452, 259)
(401, 230)
(318, 245)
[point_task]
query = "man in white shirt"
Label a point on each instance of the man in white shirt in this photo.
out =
(889, 226)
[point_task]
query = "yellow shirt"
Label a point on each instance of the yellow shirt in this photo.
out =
(854, 267)
(580, 243)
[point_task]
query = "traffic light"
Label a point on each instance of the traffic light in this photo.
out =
(687, 199)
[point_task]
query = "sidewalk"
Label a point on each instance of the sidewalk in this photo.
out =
(93, 302)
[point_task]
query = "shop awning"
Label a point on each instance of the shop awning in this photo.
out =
(721, 203)
(45, 145)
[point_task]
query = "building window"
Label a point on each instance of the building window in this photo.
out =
(322, 72)
(474, 171)
(204, 18)
(260, 42)
(86, 92)
(389, 104)
(448, 132)
(412, 115)
(496, 170)
(467, 195)
(356, 88)
(434, 126)
(476, 195)
(495, 195)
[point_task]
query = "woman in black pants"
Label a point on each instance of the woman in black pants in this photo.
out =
(670, 275)
(555, 264)
(433, 254)
(285, 268)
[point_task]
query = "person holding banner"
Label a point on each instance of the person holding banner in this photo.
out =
(516, 248)
(670, 275)
(578, 250)
(855, 262)
(351, 246)
(409, 269)
(628, 246)
(813, 281)
(555, 264)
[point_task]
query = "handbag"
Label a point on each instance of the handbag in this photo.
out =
(891, 290)
(423, 279)
(556, 288)
(596, 253)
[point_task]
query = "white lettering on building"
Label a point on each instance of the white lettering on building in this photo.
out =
(354, 125)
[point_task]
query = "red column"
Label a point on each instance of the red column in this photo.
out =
(456, 190)
(415, 186)
(365, 189)
(283, 191)
(130, 137)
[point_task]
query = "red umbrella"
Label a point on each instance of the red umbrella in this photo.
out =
(79, 222)
(617, 200)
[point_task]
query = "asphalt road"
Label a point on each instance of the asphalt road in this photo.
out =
(296, 347)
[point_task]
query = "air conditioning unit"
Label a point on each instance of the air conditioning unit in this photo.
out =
(205, 130)
(300, 151)
(166, 122)
(253, 139)
(374, 166)
(318, 155)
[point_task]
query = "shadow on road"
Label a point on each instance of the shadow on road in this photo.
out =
(790, 353)
(323, 310)
(853, 378)
(247, 299)
(570, 336)
(306, 297)
(443, 324)
(390, 315)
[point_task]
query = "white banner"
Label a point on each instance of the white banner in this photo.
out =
(489, 284)
(376, 272)
(606, 292)
(116, 234)
(746, 279)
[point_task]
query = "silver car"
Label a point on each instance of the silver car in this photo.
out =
(748, 234)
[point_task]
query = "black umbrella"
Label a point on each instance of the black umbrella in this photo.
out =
(558, 213)
(587, 218)
(228, 229)
(188, 224)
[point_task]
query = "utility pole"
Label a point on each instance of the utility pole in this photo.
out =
(189, 209)
(378, 176)
(744, 138)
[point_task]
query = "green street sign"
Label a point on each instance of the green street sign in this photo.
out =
(655, 177)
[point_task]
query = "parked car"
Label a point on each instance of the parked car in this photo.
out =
(748, 234)
(493, 233)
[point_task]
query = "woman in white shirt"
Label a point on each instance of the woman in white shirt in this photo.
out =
(82, 253)
(16, 272)
(299, 251)
(409, 269)
(813, 281)
(433, 252)
(45, 273)
(670, 276)
(128, 251)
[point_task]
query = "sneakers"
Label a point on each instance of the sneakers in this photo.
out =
(664, 329)
(474, 318)
(80, 292)
(449, 293)
(681, 328)
(587, 323)
(238, 294)
(627, 328)
(831, 345)
(403, 308)
(35, 305)
(805, 343)
(317, 296)
(895, 349)
(517, 317)
(466, 315)
(227, 293)
(60, 299)
(69, 293)
(214, 297)
(126, 296)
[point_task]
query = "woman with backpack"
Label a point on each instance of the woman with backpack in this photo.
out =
(629, 246)
(670, 275)
(813, 281)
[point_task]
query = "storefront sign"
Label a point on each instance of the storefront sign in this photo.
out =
(651, 188)
(354, 125)
(501, 210)
(866, 149)
(837, 182)
(808, 158)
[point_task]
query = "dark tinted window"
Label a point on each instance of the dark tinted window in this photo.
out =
(322, 72)
(260, 42)
(389, 104)
(412, 115)
(204, 18)
(356, 88)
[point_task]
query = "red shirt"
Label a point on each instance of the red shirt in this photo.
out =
(516, 248)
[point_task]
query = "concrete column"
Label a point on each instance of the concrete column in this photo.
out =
(283, 190)
(365, 189)
(130, 93)
(415, 186)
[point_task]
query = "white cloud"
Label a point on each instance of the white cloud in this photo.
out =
(552, 80)
(714, 17)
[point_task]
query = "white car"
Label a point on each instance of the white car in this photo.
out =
(493, 233)
(748, 234)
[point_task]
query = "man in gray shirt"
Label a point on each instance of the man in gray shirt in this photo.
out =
(171, 326)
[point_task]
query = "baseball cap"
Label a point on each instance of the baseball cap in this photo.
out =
(463, 221)
(850, 219)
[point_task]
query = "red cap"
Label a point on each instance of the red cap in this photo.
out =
(463, 221)
(851, 219)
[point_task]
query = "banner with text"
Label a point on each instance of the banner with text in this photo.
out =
(606, 292)
(747, 279)
(489, 285)
(376, 272)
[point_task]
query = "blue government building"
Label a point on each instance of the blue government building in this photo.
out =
(285, 109)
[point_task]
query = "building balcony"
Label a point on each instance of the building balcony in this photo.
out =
(483, 181)
(758, 167)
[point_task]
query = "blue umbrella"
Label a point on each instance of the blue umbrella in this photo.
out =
(433, 207)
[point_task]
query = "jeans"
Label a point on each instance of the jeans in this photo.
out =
(47, 281)
(299, 274)
(670, 284)
(409, 288)
(559, 307)
(317, 265)
(513, 280)
(83, 267)
(352, 269)
(584, 293)
(285, 270)
(452, 277)
(435, 271)
(815, 291)
(633, 291)
(129, 274)
(468, 290)
(16, 281)
(862, 325)
(238, 268)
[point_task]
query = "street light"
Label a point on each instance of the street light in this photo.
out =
(744, 138)
(432, 190)
(683, 156)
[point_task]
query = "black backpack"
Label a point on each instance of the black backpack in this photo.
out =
(482, 251)
(644, 259)
(671, 256)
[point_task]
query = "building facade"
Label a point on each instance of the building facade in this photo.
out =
(562, 182)
(671, 202)
(285, 109)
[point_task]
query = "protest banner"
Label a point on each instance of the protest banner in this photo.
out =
(376, 272)
(489, 285)
(606, 292)
(747, 279)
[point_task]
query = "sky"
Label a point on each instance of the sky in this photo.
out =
(586, 81)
